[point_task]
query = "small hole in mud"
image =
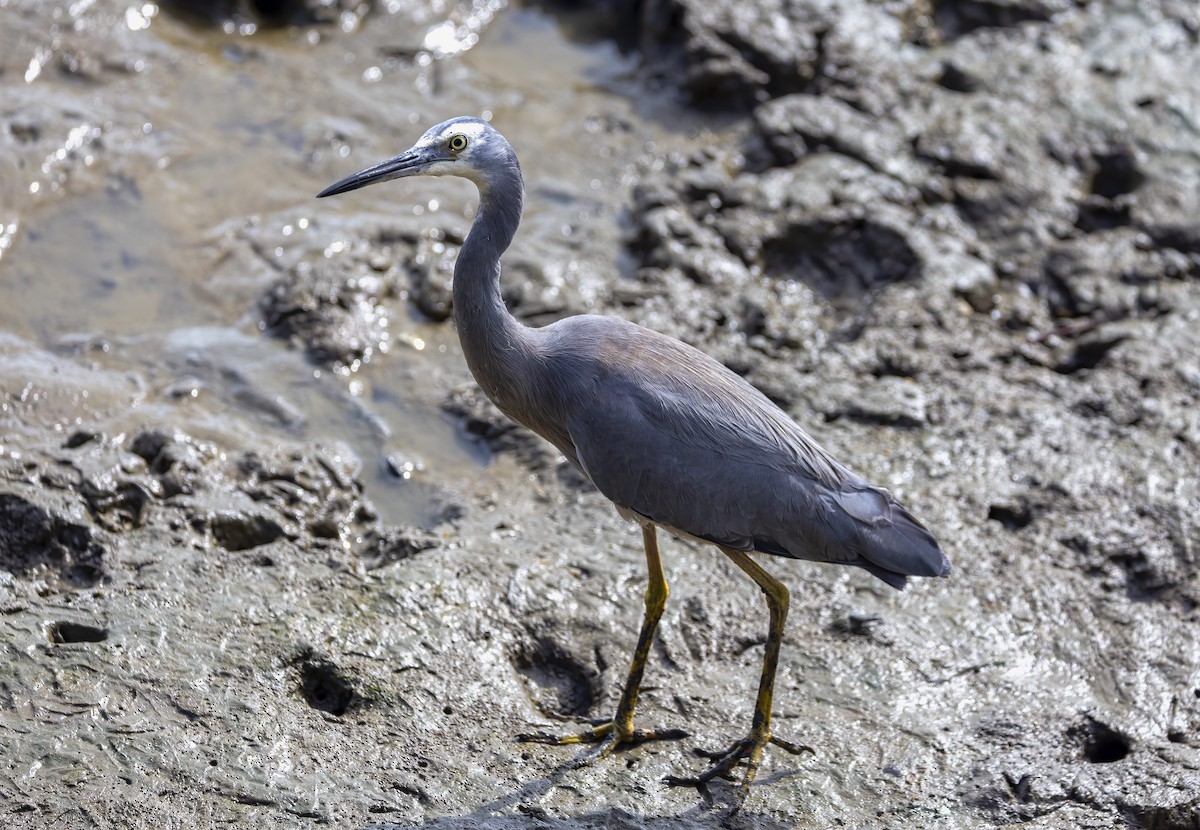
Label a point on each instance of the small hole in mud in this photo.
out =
(1116, 173)
(1088, 355)
(71, 632)
(324, 688)
(1012, 517)
(1102, 744)
(448, 710)
(79, 438)
(1113, 175)
(213, 762)
(956, 80)
(1107, 750)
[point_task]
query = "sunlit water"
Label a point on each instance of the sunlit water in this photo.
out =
(131, 255)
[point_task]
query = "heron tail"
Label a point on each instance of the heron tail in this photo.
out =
(885, 538)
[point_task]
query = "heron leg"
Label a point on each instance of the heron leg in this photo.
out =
(750, 749)
(619, 731)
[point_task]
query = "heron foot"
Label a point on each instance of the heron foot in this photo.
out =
(605, 734)
(749, 750)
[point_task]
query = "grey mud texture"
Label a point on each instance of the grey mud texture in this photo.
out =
(268, 558)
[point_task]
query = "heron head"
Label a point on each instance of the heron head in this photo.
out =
(464, 146)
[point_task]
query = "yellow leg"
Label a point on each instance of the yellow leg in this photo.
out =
(751, 748)
(619, 731)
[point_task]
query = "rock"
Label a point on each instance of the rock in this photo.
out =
(889, 400)
(482, 421)
(338, 314)
(395, 544)
(237, 530)
(795, 126)
(431, 275)
(968, 141)
(1166, 205)
(37, 543)
(736, 52)
(955, 19)
(974, 281)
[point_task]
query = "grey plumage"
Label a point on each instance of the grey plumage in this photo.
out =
(672, 437)
(668, 433)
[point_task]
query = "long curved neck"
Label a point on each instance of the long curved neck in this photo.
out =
(498, 349)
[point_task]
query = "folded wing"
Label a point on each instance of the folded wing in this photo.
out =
(684, 442)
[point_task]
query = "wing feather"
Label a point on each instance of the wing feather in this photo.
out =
(665, 431)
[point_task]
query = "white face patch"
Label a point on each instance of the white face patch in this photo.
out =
(439, 135)
(473, 130)
(437, 141)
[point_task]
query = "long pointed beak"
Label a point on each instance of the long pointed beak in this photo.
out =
(410, 163)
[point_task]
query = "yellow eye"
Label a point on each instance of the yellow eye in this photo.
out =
(457, 143)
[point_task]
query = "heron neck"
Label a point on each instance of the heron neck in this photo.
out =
(498, 348)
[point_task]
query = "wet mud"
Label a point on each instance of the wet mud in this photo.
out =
(269, 558)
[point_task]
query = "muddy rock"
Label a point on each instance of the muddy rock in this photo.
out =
(890, 400)
(394, 544)
(432, 272)
(794, 126)
(45, 544)
(340, 317)
(481, 421)
(738, 54)
(341, 304)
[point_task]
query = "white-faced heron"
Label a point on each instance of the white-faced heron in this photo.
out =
(672, 437)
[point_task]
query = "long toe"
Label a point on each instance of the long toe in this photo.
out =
(749, 751)
(597, 733)
(606, 734)
(722, 766)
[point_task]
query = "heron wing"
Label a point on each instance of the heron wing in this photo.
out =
(689, 395)
(674, 436)
(673, 472)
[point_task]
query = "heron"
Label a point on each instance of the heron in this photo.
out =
(673, 438)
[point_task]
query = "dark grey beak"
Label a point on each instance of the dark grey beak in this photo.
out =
(411, 163)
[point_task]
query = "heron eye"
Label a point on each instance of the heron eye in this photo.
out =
(457, 143)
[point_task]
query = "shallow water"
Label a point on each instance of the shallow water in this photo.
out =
(134, 251)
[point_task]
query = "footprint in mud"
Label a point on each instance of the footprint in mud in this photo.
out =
(558, 684)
